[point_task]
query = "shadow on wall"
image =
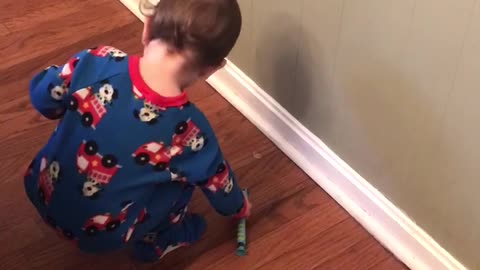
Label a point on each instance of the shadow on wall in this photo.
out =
(279, 67)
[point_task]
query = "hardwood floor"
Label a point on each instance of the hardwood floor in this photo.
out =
(295, 224)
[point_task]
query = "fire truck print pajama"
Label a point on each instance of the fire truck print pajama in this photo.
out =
(121, 166)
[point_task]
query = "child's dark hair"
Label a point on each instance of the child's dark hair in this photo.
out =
(206, 28)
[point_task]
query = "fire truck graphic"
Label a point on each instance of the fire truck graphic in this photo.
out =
(47, 177)
(139, 220)
(187, 134)
(157, 154)
(67, 71)
(104, 51)
(99, 169)
(221, 180)
(106, 222)
(91, 106)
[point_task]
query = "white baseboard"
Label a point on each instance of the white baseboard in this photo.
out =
(395, 230)
(133, 5)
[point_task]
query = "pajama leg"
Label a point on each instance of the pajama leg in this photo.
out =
(155, 245)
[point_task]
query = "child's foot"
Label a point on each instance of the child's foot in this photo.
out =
(155, 247)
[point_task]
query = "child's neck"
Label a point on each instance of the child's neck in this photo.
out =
(161, 71)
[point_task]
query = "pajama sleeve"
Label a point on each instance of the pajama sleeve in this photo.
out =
(227, 199)
(50, 88)
(208, 170)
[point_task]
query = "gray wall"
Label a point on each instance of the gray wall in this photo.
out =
(393, 87)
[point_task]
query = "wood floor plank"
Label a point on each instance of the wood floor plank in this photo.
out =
(30, 18)
(18, 233)
(14, 261)
(28, 44)
(390, 263)
(329, 243)
(3, 30)
(363, 255)
(52, 254)
(11, 9)
(16, 77)
(18, 113)
(21, 20)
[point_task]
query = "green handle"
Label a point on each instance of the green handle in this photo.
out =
(242, 234)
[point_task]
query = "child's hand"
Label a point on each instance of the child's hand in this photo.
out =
(246, 209)
(249, 208)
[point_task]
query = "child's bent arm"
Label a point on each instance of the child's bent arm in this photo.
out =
(50, 88)
(207, 169)
(228, 200)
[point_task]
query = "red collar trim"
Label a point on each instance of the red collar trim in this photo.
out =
(142, 91)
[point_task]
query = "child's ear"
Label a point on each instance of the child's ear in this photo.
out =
(145, 33)
(223, 64)
(211, 70)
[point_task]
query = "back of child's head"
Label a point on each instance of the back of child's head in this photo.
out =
(206, 30)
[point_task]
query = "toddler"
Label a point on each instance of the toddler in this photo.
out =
(129, 149)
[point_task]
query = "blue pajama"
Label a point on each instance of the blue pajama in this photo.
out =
(121, 166)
